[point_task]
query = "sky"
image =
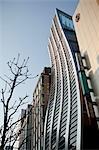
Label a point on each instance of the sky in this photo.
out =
(25, 28)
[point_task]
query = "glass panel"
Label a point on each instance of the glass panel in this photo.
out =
(66, 21)
(84, 83)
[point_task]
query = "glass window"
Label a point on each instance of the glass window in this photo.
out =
(63, 128)
(73, 125)
(73, 130)
(73, 135)
(74, 118)
(84, 83)
(73, 140)
(66, 22)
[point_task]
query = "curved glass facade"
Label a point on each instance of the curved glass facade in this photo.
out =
(70, 116)
(62, 118)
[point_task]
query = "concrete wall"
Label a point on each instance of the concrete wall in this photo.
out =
(87, 29)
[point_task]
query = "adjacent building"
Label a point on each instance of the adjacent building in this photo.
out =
(22, 139)
(25, 136)
(70, 121)
(29, 128)
(40, 100)
(86, 22)
(32, 119)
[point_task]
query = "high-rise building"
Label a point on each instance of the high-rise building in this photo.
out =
(40, 100)
(86, 22)
(70, 119)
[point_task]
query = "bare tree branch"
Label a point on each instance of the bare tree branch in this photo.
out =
(20, 103)
(19, 73)
(6, 82)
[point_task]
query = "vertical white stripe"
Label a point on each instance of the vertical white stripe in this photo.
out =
(68, 81)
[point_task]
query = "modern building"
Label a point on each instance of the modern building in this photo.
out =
(70, 121)
(86, 22)
(40, 100)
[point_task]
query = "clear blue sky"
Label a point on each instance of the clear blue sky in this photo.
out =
(24, 29)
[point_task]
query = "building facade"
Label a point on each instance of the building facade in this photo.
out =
(86, 22)
(40, 100)
(29, 128)
(25, 137)
(70, 113)
(22, 136)
(32, 119)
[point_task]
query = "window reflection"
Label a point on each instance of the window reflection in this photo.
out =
(66, 22)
